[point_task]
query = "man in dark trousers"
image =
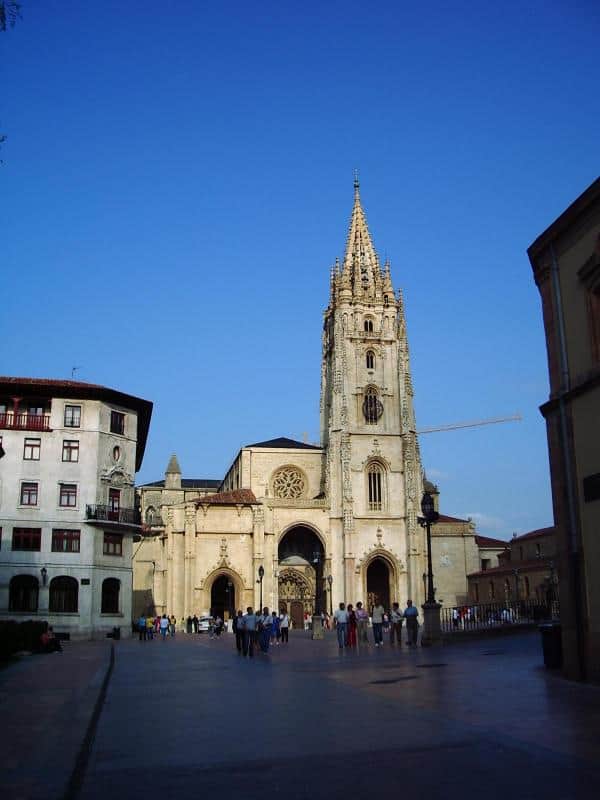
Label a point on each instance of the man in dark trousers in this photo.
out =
(238, 629)
(250, 623)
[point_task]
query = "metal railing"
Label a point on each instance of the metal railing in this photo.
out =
(478, 616)
(103, 513)
(25, 422)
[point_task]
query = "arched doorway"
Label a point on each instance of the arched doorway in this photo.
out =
(222, 597)
(301, 580)
(378, 584)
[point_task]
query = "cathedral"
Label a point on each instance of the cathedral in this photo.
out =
(302, 527)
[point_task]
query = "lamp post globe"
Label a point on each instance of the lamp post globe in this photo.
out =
(261, 575)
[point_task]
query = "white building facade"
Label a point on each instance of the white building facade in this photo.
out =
(67, 503)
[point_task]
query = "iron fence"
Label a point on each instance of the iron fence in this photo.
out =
(493, 615)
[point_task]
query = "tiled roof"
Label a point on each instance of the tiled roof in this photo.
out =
(534, 565)
(486, 541)
(533, 534)
(54, 383)
(190, 483)
(285, 444)
(237, 497)
(446, 518)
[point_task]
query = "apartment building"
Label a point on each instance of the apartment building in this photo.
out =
(67, 503)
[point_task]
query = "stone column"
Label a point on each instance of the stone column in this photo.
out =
(190, 559)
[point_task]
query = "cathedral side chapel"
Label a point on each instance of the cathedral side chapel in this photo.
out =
(305, 527)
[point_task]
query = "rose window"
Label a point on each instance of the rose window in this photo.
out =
(288, 483)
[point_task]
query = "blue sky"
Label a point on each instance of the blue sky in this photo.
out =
(177, 182)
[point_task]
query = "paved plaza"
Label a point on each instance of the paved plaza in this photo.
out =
(190, 718)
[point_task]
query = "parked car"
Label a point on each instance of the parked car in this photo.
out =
(204, 624)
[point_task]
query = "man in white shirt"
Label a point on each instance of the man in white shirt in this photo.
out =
(341, 623)
(396, 626)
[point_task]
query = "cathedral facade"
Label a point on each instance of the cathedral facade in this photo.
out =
(297, 526)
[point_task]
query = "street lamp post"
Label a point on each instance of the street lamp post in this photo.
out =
(261, 575)
(431, 610)
(317, 623)
(329, 582)
(229, 603)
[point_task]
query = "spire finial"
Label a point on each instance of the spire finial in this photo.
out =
(356, 182)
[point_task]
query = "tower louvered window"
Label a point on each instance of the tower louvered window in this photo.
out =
(372, 407)
(375, 479)
(370, 359)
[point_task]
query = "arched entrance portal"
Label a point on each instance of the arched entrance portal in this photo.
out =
(300, 584)
(378, 584)
(222, 597)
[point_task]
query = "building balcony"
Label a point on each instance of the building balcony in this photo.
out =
(25, 422)
(113, 517)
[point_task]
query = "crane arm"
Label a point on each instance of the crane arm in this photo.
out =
(472, 424)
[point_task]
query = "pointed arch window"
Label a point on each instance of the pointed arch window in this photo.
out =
(369, 325)
(372, 406)
(375, 485)
(370, 359)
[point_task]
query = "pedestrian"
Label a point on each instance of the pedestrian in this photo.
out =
(157, 619)
(264, 627)
(284, 626)
(351, 632)
(238, 629)
(188, 624)
(412, 623)
(362, 623)
(194, 624)
(149, 627)
(396, 624)
(172, 625)
(218, 626)
(386, 623)
(164, 626)
(182, 625)
(250, 624)
(377, 616)
(275, 629)
(455, 618)
(341, 623)
(141, 623)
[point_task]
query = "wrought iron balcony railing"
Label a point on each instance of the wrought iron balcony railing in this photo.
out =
(25, 422)
(102, 513)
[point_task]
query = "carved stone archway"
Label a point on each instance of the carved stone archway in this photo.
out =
(296, 586)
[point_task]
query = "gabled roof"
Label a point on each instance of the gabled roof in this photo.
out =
(285, 444)
(235, 498)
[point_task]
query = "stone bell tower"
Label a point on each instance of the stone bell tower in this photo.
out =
(372, 467)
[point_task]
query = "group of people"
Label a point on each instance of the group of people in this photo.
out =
(261, 630)
(150, 626)
(352, 623)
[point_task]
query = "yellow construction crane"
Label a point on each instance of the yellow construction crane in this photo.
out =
(472, 424)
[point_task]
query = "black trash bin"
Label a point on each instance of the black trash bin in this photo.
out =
(551, 645)
(116, 633)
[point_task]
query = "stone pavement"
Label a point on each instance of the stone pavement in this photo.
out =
(46, 704)
(189, 718)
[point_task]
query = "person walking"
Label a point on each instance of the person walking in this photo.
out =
(396, 624)
(250, 623)
(362, 623)
(264, 627)
(238, 629)
(351, 633)
(377, 616)
(150, 627)
(341, 623)
(194, 624)
(275, 628)
(172, 625)
(164, 626)
(284, 626)
(412, 623)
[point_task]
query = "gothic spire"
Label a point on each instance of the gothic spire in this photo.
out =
(361, 265)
